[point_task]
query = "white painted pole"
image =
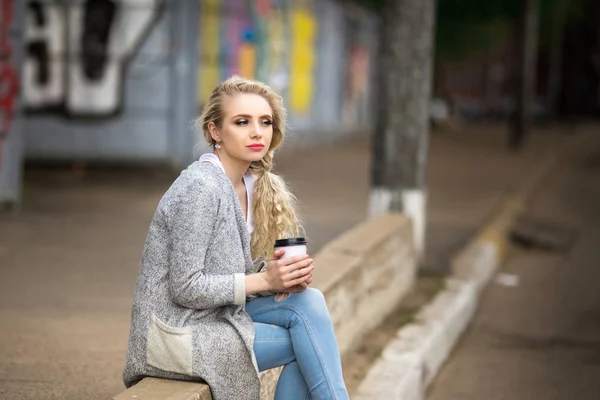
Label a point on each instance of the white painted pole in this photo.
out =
(414, 202)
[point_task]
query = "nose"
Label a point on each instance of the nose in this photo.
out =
(256, 132)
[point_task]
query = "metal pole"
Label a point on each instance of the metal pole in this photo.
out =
(526, 76)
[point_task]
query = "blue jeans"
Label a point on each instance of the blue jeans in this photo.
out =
(298, 334)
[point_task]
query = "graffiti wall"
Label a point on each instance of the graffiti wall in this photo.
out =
(270, 40)
(8, 75)
(77, 53)
(144, 68)
(11, 122)
(318, 54)
(105, 90)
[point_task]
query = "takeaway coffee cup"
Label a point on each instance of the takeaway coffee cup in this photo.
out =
(292, 246)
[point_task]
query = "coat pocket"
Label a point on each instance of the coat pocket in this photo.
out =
(169, 348)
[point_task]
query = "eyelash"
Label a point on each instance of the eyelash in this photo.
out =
(243, 122)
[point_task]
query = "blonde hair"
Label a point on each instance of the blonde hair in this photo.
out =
(273, 205)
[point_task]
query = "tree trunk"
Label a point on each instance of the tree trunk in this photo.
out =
(402, 130)
(556, 57)
(526, 75)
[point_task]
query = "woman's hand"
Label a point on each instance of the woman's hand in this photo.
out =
(290, 274)
(299, 288)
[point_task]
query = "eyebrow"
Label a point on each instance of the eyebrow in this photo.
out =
(250, 116)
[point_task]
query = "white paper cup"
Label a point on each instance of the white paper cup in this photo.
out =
(292, 246)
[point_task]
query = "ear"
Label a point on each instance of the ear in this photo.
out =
(214, 132)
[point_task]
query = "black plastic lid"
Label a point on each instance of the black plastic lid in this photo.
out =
(290, 242)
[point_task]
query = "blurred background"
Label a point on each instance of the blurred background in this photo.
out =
(97, 104)
(122, 81)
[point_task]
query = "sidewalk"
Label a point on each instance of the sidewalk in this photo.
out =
(538, 339)
(70, 258)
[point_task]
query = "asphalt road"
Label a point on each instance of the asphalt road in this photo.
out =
(540, 339)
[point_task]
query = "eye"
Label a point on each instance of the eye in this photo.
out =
(267, 122)
(241, 122)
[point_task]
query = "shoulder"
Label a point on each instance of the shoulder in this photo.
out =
(200, 183)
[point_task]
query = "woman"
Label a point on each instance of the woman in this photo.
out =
(203, 310)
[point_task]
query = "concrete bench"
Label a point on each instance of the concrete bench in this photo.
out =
(364, 274)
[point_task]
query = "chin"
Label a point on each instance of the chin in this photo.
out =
(253, 156)
(256, 157)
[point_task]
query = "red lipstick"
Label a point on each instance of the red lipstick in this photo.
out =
(256, 147)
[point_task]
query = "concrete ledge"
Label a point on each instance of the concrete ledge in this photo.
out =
(426, 344)
(364, 274)
(166, 389)
(392, 379)
(154, 388)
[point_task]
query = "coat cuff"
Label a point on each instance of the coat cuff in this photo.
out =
(239, 296)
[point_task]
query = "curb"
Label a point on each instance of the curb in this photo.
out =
(410, 362)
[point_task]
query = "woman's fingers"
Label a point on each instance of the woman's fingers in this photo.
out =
(294, 284)
(295, 266)
(297, 273)
(277, 254)
(288, 261)
(290, 271)
(308, 281)
(299, 276)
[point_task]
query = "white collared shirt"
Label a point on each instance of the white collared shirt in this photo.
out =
(248, 179)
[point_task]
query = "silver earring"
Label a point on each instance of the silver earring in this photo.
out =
(217, 146)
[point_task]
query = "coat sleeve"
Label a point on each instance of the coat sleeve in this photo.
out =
(260, 266)
(192, 221)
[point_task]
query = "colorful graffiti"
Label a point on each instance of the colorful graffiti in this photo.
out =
(304, 29)
(9, 86)
(77, 53)
(269, 40)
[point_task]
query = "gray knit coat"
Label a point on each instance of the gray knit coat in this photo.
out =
(188, 321)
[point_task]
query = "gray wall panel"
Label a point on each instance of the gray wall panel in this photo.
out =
(129, 138)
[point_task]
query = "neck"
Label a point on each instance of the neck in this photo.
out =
(234, 168)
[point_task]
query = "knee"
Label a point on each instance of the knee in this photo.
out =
(312, 296)
(312, 302)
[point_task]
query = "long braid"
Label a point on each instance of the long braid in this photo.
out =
(273, 210)
(273, 205)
